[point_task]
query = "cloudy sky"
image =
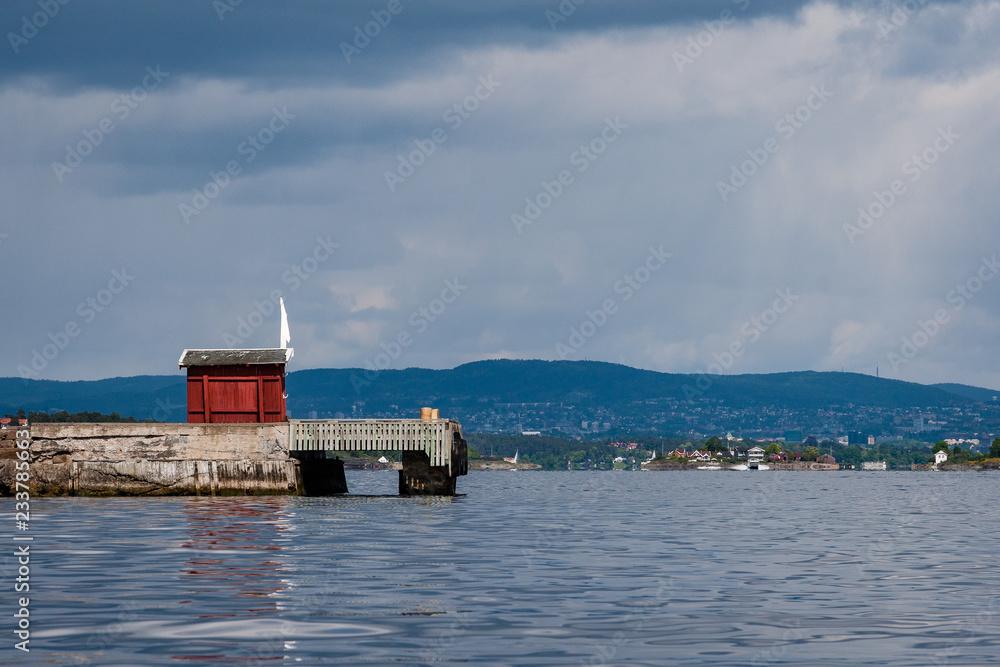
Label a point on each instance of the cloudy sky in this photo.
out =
(741, 186)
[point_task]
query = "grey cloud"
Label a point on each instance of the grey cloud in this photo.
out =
(325, 177)
(104, 44)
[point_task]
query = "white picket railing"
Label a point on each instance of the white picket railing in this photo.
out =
(436, 437)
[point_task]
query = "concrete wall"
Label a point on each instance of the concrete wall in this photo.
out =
(161, 442)
(194, 459)
(154, 459)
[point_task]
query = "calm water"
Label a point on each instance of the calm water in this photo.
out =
(539, 568)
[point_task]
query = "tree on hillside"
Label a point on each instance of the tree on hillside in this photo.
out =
(941, 444)
(995, 449)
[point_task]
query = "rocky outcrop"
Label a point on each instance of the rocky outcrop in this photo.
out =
(989, 464)
(479, 464)
(803, 465)
(666, 464)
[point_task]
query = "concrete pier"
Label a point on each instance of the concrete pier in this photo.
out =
(419, 478)
(434, 453)
(154, 459)
(284, 458)
(319, 475)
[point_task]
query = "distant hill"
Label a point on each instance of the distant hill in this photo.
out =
(598, 383)
(583, 383)
(975, 393)
(159, 397)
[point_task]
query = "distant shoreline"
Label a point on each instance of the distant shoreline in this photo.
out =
(776, 465)
(958, 467)
(479, 464)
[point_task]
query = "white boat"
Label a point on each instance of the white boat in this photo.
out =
(755, 459)
(752, 466)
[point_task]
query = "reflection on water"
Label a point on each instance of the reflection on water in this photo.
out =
(215, 528)
(220, 526)
(532, 568)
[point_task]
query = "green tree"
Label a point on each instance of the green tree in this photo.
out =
(941, 444)
(810, 453)
(773, 448)
(713, 444)
(995, 449)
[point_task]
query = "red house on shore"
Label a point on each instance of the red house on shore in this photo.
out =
(235, 386)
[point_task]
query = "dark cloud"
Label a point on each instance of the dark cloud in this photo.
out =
(322, 180)
(106, 44)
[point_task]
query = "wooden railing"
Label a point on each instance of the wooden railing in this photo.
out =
(435, 437)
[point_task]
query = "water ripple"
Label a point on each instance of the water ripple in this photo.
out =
(530, 568)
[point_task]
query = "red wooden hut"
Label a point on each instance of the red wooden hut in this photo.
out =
(235, 386)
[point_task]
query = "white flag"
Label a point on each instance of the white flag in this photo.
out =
(285, 336)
